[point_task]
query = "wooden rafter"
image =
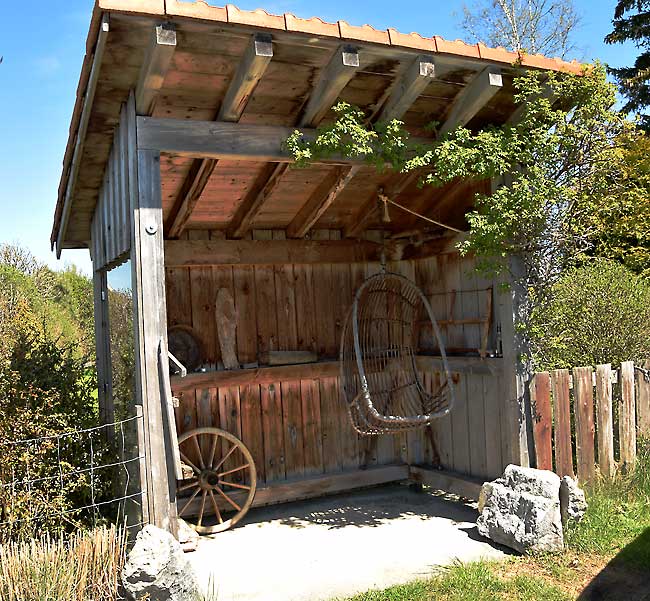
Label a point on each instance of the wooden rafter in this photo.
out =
(409, 87)
(250, 71)
(472, 99)
(334, 77)
(320, 200)
(154, 68)
(91, 87)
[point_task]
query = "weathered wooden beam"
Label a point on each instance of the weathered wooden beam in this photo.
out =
(249, 72)
(409, 87)
(320, 200)
(263, 186)
(251, 68)
(157, 60)
(470, 100)
(204, 253)
(89, 99)
(335, 76)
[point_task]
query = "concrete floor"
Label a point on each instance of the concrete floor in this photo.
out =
(338, 546)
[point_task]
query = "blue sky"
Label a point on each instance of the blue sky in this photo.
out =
(42, 42)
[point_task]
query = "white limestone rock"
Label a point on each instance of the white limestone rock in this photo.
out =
(521, 510)
(573, 504)
(157, 570)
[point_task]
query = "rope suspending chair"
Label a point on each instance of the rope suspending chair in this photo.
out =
(380, 382)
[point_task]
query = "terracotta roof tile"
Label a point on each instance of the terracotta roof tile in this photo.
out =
(315, 26)
(256, 18)
(363, 33)
(498, 54)
(197, 10)
(457, 47)
(411, 40)
(142, 7)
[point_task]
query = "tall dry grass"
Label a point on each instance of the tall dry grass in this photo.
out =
(84, 567)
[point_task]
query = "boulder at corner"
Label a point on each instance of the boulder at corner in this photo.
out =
(521, 510)
(573, 504)
(157, 570)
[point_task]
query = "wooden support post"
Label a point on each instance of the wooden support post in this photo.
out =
(517, 414)
(627, 416)
(409, 87)
(154, 67)
(605, 428)
(472, 99)
(562, 417)
(103, 348)
(148, 276)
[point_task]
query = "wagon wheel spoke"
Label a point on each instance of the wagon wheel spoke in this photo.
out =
(225, 457)
(232, 471)
(196, 492)
(195, 439)
(189, 485)
(213, 449)
(242, 486)
(187, 460)
(216, 507)
(202, 510)
(225, 496)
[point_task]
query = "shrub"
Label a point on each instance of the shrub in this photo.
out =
(597, 313)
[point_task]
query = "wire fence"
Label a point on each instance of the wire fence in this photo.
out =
(59, 482)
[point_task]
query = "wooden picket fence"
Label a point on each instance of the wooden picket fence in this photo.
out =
(572, 426)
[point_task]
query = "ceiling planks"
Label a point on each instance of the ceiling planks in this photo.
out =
(250, 71)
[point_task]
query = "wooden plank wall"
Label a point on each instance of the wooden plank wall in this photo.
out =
(111, 224)
(300, 428)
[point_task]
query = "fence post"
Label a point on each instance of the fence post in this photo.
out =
(583, 394)
(643, 400)
(627, 415)
(540, 395)
(605, 428)
(562, 414)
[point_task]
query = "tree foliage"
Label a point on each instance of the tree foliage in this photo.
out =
(534, 26)
(632, 23)
(596, 313)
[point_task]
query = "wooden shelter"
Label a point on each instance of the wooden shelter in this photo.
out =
(176, 161)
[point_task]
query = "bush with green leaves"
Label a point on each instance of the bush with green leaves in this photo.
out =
(597, 313)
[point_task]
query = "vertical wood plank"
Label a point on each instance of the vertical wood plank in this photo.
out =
(627, 416)
(643, 400)
(267, 330)
(562, 414)
(285, 298)
(494, 458)
(477, 432)
(292, 421)
(244, 286)
(604, 420)
(305, 308)
(251, 426)
(583, 392)
(311, 425)
(330, 425)
(273, 432)
(203, 305)
(542, 420)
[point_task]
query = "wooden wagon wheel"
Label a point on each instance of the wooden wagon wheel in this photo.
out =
(223, 473)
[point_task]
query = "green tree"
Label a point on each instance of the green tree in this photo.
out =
(596, 313)
(632, 23)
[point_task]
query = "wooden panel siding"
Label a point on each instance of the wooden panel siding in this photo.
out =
(294, 421)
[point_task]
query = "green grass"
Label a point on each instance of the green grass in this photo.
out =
(469, 582)
(618, 516)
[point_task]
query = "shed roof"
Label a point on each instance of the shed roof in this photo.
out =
(211, 42)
